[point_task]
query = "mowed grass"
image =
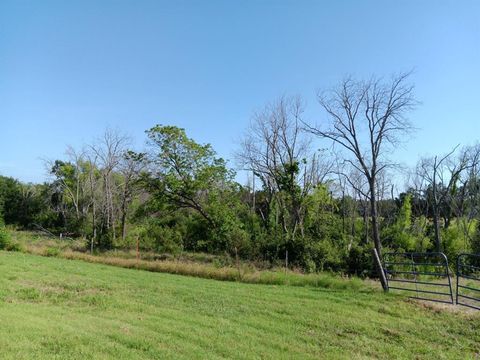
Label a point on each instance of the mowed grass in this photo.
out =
(53, 308)
(190, 264)
(226, 273)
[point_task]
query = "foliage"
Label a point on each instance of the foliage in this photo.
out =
(399, 234)
(5, 239)
(476, 240)
(180, 197)
(186, 175)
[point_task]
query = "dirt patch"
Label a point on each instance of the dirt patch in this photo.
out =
(441, 307)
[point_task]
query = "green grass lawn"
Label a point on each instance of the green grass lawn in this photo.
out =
(65, 309)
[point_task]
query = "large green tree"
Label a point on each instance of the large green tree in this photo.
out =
(186, 175)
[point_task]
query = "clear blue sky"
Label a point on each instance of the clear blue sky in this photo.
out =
(68, 69)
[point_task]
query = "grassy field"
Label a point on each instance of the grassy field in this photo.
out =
(65, 309)
(192, 264)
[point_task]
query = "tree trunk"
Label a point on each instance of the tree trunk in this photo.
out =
(436, 227)
(124, 218)
(374, 216)
(365, 221)
(436, 222)
(124, 227)
(94, 227)
(446, 221)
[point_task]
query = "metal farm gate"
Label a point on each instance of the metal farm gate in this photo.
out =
(468, 280)
(424, 275)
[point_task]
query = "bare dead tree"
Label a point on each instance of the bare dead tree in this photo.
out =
(417, 185)
(384, 188)
(361, 191)
(71, 180)
(93, 182)
(271, 144)
(442, 173)
(468, 203)
(76, 189)
(277, 152)
(366, 119)
(109, 150)
(131, 167)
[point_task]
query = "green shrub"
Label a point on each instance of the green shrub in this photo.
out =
(15, 246)
(359, 260)
(453, 242)
(475, 243)
(323, 255)
(5, 238)
(154, 236)
(52, 251)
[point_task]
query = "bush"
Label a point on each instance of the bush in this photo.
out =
(15, 246)
(453, 242)
(52, 251)
(154, 236)
(359, 260)
(323, 255)
(5, 239)
(475, 244)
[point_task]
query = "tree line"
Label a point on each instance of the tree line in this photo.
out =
(317, 208)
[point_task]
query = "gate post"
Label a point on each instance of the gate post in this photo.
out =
(457, 273)
(380, 271)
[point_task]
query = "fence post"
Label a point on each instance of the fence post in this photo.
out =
(380, 271)
(138, 249)
(457, 276)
